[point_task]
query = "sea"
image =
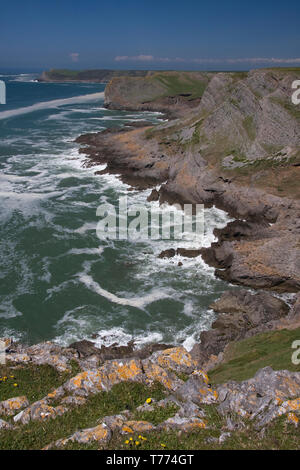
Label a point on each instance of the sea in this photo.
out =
(58, 280)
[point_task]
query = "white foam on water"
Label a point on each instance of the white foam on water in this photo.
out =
(119, 336)
(58, 160)
(55, 289)
(86, 251)
(137, 302)
(51, 104)
(7, 310)
(86, 227)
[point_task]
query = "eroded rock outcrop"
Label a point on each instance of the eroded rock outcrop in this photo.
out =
(241, 314)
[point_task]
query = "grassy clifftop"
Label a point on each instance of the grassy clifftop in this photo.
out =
(101, 75)
(163, 91)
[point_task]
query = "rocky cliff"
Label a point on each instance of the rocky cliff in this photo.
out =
(237, 147)
(100, 76)
(74, 398)
(174, 93)
(234, 141)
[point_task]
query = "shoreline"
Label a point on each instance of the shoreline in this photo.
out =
(127, 154)
(237, 381)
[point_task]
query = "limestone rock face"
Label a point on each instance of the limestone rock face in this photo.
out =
(125, 370)
(87, 382)
(296, 307)
(240, 313)
(4, 425)
(73, 401)
(39, 411)
(183, 424)
(54, 395)
(197, 391)
(12, 405)
(267, 395)
(43, 353)
(100, 433)
(177, 359)
(155, 373)
(114, 422)
(130, 427)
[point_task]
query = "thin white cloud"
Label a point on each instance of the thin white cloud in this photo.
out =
(245, 60)
(136, 58)
(74, 56)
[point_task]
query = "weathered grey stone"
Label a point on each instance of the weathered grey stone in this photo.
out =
(87, 382)
(177, 359)
(54, 395)
(263, 397)
(131, 427)
(240, 312)
(155, 373)
(183, 424)
(73, 401)
(12, 405)
(5, 426)
(100, 433)
(197, 390)
(123, 370)
(39, 411)
(114, 423)
(224, 436)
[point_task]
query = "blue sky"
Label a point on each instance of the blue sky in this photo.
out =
(152, 34)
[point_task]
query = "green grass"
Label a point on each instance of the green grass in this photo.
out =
(288, 106)
(158, 415)
(182, 83)
(279, 435)
(37, 435)
(241, 361)
(32, 380)
(249, 127)
(285, 69)
(244, 358)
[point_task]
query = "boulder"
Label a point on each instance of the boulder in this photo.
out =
(197, 390)
(170, 253)
(5, 426)
(188, 253)
(267, 395)
(126, 370)
(183, 424)
(100, 433)
(240, 311)
(131, 427)
(177, 359)
(87, 382)
(153, 196)
(39, 411)
(12, 405)
(155, 373)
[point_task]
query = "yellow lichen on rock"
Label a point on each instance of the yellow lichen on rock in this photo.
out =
(130, 427)
(10, 406)
(293, 419)
(178, 359)
(155, 373)
(99, 433)
(123, 371)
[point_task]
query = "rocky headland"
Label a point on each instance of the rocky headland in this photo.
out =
(232, 140)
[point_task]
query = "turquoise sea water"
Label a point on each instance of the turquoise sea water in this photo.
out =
(58, 281)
